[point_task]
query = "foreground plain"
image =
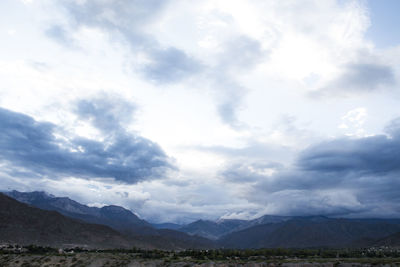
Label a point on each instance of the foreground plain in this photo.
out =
(122, 259)
(46, 256)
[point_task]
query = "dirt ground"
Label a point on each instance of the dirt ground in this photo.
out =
(109, 259)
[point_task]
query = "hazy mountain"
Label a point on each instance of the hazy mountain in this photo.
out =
(315, 231)
(171, 226)
(178, 240)
(392, 240)
(114, 216)
(268, 219)
(117, 217)
(215, 230)
(210, 229)
(23, 224)
(266, 231)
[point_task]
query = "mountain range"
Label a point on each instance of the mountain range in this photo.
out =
(25, 225)
(298, 231)
(121, 224)
(215, 230)
(116, 217)
(137, 232)
(313, 231)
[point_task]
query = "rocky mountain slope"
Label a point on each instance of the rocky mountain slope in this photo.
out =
(305, 232)
(23, 224)
(266, 231)
(116, 217)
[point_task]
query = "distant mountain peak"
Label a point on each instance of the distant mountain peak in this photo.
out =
(114, 216)
(43, 194)
(114, 208)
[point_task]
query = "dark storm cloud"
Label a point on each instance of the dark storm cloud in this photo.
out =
(359, 78)
(344, 176)
(32, 146)
(369, 155)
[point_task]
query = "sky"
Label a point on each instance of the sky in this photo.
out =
(182, 110)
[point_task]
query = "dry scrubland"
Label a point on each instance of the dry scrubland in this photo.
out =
(124, 259)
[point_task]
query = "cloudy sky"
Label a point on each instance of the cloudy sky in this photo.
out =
(186, 109)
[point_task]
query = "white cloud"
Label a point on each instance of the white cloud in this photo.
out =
(353, 122)
(215, 82)
(27, 2)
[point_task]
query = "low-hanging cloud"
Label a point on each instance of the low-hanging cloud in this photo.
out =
(34, 147)
(372, 155)
(342, 177)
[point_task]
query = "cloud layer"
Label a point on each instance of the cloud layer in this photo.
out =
(191, 109)
(341, 177)
(360, 78)
(41, 148)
